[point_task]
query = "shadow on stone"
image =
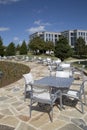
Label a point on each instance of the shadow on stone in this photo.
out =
(69, 101)
(70, 127)
(80, 123)
(4, 127)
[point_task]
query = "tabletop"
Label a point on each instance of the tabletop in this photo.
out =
(53, 81)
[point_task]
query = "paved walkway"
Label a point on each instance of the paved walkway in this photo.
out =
(14, 112)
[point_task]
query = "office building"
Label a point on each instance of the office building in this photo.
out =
(47, 36)
(71, 35)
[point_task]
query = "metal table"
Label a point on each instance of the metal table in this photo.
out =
(57, 82)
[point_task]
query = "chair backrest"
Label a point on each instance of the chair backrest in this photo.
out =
(39, 89)
(50, 67)
(28, 78)
(48, 59)
(65, 65)
(82, 86)
(57, 61)
(41, 93)
(65, 74)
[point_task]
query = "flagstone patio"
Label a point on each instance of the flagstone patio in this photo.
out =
(14, 111)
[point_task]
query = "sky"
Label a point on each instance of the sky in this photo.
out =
(20, 18)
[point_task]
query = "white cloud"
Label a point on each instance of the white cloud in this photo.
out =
(2, 29)
(36, 29)
(7, 1)
(38, 22)
(16, 39)
(40, 26)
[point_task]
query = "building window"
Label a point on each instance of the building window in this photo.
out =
(55, 35)
(72, 41)
(72, 34)
(79, 33)
(47, 40)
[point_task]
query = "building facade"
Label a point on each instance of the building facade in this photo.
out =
(47, 36)
(71, 35)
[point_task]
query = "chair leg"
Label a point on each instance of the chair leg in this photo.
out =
(30, 107)
(81, 104)
(85, 99)
(25, 92)
(51, 112)
(82, 107)
(61, 105)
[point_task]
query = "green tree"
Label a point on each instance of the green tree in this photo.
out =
(37, 44)
(10, 50)
(80, 47)
(1, 47)
(23, 48)
(62, 49)
(49, 46)
(85, 49)
(18, 47)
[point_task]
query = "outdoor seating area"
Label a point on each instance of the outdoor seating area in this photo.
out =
(42, 100)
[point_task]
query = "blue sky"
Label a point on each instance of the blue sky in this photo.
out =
(20, 18)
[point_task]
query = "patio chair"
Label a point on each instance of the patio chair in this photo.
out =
(48, 61)
(28, 81)
(65, 74)
(78, 94)
(78, 74)
(51, 70)
(43, 96)
(65, 65)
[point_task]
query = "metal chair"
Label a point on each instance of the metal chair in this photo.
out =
(44, 95)
(52, 70)
(28, 81)
(65, 65)
(65, 74)
(78, 94)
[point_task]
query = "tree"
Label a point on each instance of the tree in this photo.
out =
(37, 44)
(18, 47)
(10, 50)
(1, 47)
(23, 48)
(49, 46)
(62, 49)
(80, 46)
(85, 49)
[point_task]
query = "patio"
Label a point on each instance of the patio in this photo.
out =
(14, 112)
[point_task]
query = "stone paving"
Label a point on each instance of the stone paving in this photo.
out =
(14, 111)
